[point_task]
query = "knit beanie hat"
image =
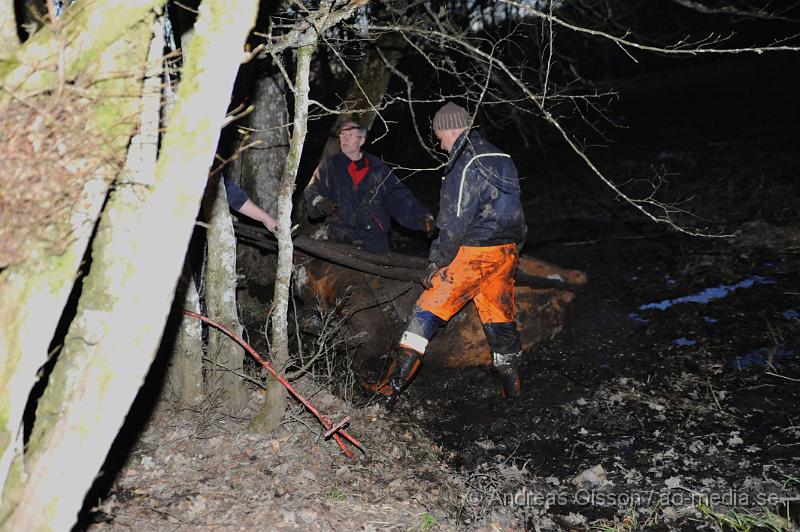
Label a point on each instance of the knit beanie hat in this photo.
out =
(451, 116)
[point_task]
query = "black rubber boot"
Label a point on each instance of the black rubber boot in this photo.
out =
(507, 368)
(403, 368)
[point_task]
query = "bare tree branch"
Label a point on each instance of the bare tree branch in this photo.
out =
(731, 10)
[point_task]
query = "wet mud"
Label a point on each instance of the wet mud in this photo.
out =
(701, 397)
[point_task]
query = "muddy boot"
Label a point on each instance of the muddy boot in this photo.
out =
(403, 368)
(506, 366)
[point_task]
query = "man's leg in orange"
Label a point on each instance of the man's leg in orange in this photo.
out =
(497, 311)
(451, 290)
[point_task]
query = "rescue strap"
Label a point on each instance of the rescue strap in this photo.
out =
(407, 268)
(336, 430)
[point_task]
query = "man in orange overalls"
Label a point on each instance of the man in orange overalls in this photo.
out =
(475, 256)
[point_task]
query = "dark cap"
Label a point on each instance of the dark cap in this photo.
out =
(349, 125)
(451, 116)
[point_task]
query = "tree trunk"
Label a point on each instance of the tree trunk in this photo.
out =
(185, 374)
(220, 282)
(138, 171)
(124, 303)
(261, 164)
(34, 292)
(185, 383)
(258, 169)
(269, 417)
(367, 90)
(9, 40)
(89, 27)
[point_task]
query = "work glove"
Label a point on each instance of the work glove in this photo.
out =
(427, 224)
(324, 205)
(427, 276)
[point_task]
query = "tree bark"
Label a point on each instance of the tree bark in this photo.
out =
(269, 417)
(259, 170)
(262, 163)
(141, 159)
(33, 293)
(136, 262)
(220, 283)
(185, 374)
(9, 40)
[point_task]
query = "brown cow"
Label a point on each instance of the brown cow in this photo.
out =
(376, 309)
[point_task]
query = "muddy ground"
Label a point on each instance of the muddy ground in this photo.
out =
(665, 405)
(697, 403)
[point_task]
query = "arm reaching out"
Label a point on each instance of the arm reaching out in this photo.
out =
(238, 201)
(257, 213)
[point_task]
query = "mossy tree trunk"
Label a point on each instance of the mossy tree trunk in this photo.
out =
(33, 292)
(137, 256)
(185, 384)
(9, 39)
(137, 174)
(269, 417)
(258, 170)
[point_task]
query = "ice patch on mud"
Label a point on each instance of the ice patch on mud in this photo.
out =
(638, 319)
(684, 341)
(791, 314)
(709, 294)
(764, 356)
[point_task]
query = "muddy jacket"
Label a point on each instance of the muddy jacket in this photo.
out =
(479, 204)
(363, 213)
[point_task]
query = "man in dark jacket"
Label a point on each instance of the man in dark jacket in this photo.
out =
(474, 257)
(358, 195)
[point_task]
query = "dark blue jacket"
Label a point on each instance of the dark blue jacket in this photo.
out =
(363, 213)
(236, 196)
(479, 204)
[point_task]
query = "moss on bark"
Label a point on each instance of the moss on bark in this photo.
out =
(33, 293)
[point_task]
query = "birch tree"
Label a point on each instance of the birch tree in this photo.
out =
(274, 407)
(37, 80)
(226, 357)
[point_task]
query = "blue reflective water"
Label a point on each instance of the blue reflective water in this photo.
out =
(791, 314)
(709, 294)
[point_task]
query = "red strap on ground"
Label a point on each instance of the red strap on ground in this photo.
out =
(332, 430)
